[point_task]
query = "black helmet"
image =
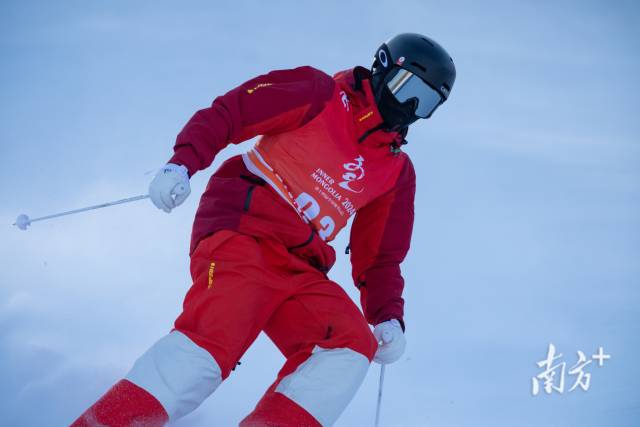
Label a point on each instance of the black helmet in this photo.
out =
(396, 65)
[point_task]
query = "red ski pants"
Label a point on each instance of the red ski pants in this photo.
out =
(242, 286)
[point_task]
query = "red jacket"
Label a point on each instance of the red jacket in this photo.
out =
(322, 157)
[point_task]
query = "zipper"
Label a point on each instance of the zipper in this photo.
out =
(247, 200)
(369, 132)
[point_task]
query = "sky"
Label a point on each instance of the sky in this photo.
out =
(527, 207)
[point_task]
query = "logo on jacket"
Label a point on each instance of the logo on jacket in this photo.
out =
(354, 172)
(345, 100)
(258, 86)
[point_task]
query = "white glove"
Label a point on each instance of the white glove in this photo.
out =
(391, 341)
(170, 187)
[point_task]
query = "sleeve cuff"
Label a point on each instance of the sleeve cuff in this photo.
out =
(184, 158)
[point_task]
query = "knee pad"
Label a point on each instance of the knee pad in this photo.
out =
(178, 373)
(325, 383)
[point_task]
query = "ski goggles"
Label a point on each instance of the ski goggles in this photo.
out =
(406, 85)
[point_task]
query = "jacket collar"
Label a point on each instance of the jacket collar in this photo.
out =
(369, 125)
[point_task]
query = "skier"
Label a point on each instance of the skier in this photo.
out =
(330, 148)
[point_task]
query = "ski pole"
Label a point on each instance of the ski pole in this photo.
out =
(379, 395)
(23, 221)
(386, 337)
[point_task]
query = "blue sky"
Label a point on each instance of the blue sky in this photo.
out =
(528, 200)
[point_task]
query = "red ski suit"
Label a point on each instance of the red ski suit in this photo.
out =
(312, 125)
(259, 251)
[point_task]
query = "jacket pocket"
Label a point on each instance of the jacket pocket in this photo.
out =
(247, 199)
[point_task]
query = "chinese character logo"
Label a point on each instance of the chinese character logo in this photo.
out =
(552, 377)
(353, 172)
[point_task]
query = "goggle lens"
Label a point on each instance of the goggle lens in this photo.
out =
(406, 85)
